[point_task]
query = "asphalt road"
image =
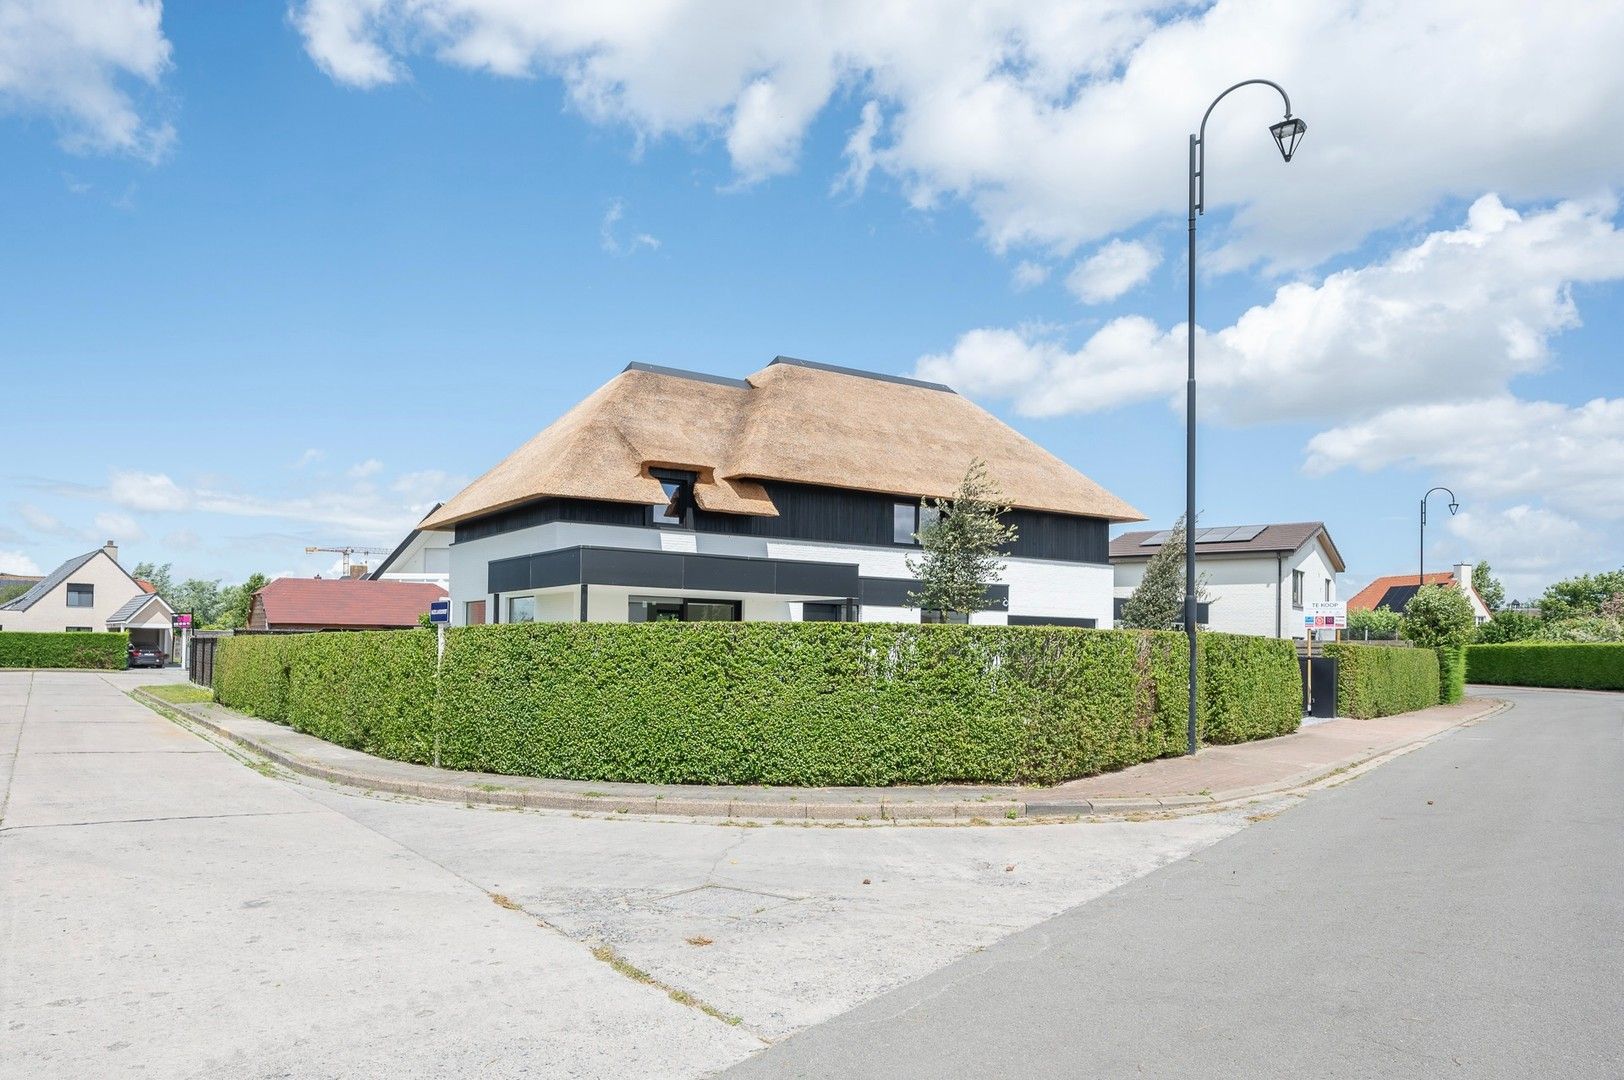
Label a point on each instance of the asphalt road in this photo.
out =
(1457, 912)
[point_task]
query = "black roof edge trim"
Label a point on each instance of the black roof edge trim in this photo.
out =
(875, 375)
(679, 373)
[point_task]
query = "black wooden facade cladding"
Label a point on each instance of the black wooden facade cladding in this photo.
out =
(817, 514)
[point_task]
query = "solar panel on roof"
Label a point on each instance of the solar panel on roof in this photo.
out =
(1156, 539)
(1248, 532)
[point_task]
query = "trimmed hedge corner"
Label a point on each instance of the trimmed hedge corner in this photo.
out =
(764, 703)
(73, 649)
(1570, 665)
(1451, 674)
(1375, 680)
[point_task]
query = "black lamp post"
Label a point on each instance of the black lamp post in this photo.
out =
(1287, 134)
(1421, 577)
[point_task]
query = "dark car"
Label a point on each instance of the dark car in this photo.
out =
(147, 656)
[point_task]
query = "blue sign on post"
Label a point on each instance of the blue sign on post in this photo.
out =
(440, 612)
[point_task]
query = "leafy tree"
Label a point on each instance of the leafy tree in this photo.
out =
(8, 593)
(1488, 587)
(1582, 595)
(1158, 602)
(201, 597)
(963, 540)
(159, 576)
(1378, 625)
(1508, 624)
(1438, 616)
(1583, 628)
(239, 601)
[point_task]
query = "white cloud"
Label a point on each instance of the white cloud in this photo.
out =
(1526, 546)
(369, 467)
(121, 527)
(73, 61)
(309, 457)
(1456, 316)
(611, 242)
(146, 491)
(427, 487)
(1029, 274)
(1112, 270)
(40, 521)
(15, 562)
(1064, 123)
(1570, 457)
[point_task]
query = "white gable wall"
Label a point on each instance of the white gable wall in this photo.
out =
(1251, 594)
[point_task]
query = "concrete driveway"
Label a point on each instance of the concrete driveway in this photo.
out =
(176, 909)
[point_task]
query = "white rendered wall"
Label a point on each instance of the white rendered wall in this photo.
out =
(1036, 587)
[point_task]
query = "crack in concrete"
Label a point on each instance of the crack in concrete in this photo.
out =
(174, 817)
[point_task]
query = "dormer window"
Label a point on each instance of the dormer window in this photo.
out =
(677, 511)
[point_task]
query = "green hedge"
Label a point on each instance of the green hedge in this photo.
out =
(76, 649)
(1567, 664)
(770, 703)
(1377, 680)
(1451, 674)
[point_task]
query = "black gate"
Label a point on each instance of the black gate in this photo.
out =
(200, 660)
(1322, 701)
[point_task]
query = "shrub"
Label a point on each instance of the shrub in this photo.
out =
(1571, 665)
(1508, 624)
(1451, 674)
(1379, 680)
(777, 703)
(1438, 615)
(75, 649)
(1592, 628)
(1378, 625)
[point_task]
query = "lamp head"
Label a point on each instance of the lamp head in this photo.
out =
(1287, 134)
(1453, 507)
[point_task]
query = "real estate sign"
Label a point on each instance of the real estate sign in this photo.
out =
(1326, 615)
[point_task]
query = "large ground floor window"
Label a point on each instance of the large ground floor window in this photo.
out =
(663, 609)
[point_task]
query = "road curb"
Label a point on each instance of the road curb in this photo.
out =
(798, 811)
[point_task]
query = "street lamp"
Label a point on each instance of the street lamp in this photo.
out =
(1421, 577)
(1287, 134)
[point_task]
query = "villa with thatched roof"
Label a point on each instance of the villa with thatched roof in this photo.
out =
(793, 494)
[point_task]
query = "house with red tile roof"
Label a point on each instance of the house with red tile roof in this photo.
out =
(303, 605)
(1395, 590)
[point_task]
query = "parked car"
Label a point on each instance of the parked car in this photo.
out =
(147, 656)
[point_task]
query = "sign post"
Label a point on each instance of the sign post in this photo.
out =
(1321, 615)
(183, 623)
(439, 616)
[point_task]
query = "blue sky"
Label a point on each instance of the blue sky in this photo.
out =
(286, 276)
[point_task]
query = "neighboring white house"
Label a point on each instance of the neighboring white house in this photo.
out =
(1395, 590)
(423, 557)
(92, 592)
(1257, 577)
(793, 494)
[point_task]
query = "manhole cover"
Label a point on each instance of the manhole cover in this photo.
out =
(720, 900)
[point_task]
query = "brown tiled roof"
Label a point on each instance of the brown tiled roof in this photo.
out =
(792, 421)
(146, 586)
(1286, 536)
(1371, 596)
(345, 603)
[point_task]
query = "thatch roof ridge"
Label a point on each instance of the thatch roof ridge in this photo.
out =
(794, 422)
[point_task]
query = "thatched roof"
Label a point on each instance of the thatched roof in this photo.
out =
(792, 421)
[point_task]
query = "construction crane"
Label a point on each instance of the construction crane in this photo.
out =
(347, 552)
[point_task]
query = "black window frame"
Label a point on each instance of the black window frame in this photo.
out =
(684, 498)
(918, 513)
(78, 590)
(682, 603)
(938, 617)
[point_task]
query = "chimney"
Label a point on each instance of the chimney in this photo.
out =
(1463, 574)
(111, 549)
(358, 570)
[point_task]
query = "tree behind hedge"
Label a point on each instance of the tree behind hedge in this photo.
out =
(1438, 616)
(1158, 601)
(1488, 587)
(963, 546)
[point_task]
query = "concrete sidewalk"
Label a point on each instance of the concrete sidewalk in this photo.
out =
(1216, 775)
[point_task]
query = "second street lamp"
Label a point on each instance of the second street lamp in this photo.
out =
(1287, 134)
(1454, 504)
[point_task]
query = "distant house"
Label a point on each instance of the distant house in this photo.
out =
(93, 592)
(303, 605)
(424, 556)
(1258, 577)
(1395, 590)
